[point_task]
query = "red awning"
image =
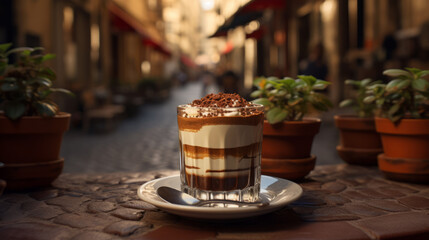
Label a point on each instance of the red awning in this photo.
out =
(257, 34)
(123, 21)
(228, 48)
(188, 61)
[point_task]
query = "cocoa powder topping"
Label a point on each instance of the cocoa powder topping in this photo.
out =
(221, 100)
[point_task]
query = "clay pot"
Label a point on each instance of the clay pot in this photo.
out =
(406, 149)
(286, 148)
(359, 142)
(30, 148)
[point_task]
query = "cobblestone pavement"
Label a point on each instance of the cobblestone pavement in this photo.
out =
(149, 141)
(339, 202)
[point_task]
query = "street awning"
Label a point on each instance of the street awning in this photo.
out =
(187, 61)
(251, 11)
(123, 21)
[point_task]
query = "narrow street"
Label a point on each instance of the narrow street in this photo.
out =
(149, 141)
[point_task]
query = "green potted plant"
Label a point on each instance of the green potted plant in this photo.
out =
(287, 134)
(403, 124)
(359, 142)
(31, 125)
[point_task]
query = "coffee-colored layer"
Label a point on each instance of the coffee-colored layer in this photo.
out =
(195, 124)
(221, 184)
(202, 152)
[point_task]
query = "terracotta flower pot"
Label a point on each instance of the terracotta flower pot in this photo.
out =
(286, 148)
(30, 149)
(406, 149)
(359, 142)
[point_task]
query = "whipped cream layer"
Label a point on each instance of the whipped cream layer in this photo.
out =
(222, 136)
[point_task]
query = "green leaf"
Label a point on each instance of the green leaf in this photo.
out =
(393, 109)
(42, 81)
(256, 93)
(397, 73)
(4, 47)
(19, 50)
(262, 101)
(365, 82)
(48, 57)
(392, 86)
(46, 109)
(276, 115)
(9, 87)
(62, 90)
(420, 84)
(351, 82)
(369, 99)
(15, 110)
(424, 73)
(346, 103)
(319, 86)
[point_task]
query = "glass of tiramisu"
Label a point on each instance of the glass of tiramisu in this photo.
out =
(220, 143)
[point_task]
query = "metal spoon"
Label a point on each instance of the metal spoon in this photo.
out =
(175, 196)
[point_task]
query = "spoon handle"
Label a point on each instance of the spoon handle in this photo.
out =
(261, 203)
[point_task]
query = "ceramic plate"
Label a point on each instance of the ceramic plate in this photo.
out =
(279, 192)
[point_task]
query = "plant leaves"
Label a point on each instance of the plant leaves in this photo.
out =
(393, 109)
(15, 110)
(256, 93)
(42, 81)
(392, 86)
(397, 73)
(420, 84)
(19, 50)
(4, 47)
(46, 109)
(346, 103)
(369, 99)
(48, 57)
(262, 101)
(9, 87)
(276, 115)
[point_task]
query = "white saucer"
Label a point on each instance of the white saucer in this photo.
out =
(278, 191)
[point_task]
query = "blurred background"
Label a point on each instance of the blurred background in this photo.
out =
(131, 62)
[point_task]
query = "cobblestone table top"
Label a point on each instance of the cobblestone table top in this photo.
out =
(339, 202)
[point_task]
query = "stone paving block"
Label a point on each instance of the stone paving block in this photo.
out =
(388, 191)
(125, 228)
(372, 193)
(80, 220)
(92, 235)
(35, 231)
(387, 205)
(45, 213)
(415, 202)
(323, 214)
(160, 217)
(68, 203)
(310, 198)
(139, 205)
(311, 185)
(334, 187)
(397, 226)
(354, 195)
(336, 200)
(98, 206)
(362, 209)
(29, 205)
(45, 194)
(128, 214)
(178, 233)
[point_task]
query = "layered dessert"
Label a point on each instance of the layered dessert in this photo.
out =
(220, 138)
